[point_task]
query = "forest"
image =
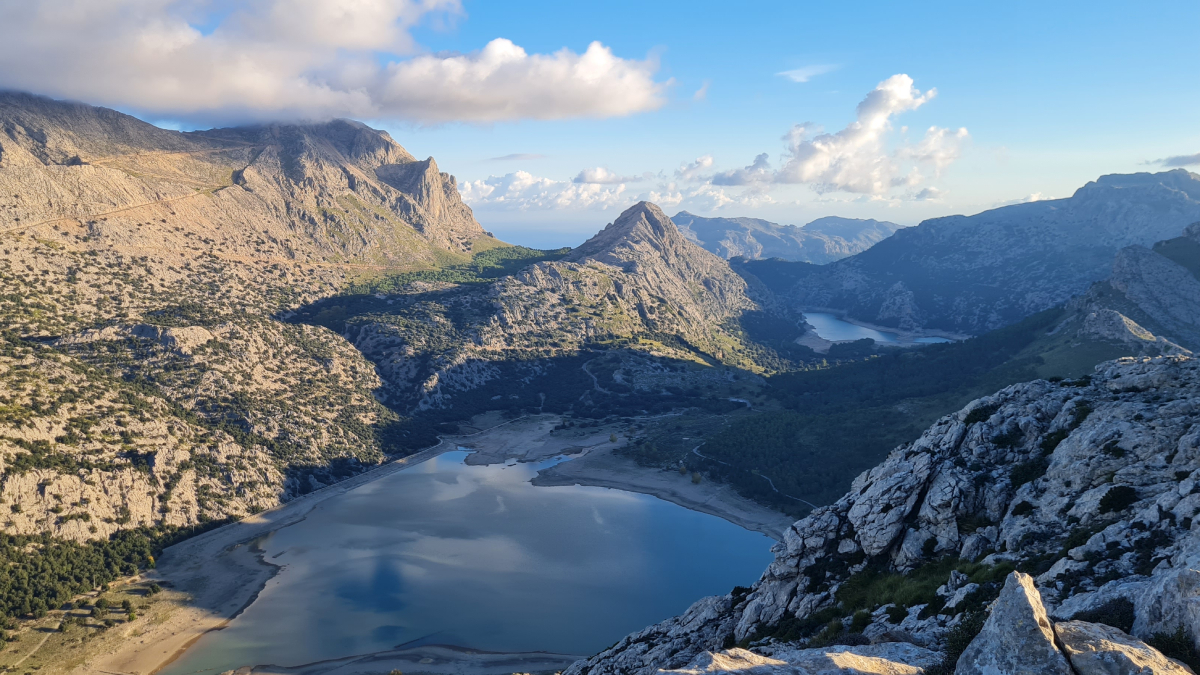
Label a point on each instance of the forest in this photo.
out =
(827, 425)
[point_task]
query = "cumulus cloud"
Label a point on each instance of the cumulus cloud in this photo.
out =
(857, 159)
(522, 191)
(802, 75)
(758, 173)
(219, 60)
(1179, 161)
(694, 170)
(602, 176)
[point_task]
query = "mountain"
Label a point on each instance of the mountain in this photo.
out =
(1157, 289)
(146, 378)
(637, 289)
(1087, 485)
(970, 274)
(333, 192)
(821, 241)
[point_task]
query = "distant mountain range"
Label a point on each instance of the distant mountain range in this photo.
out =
(971, 274)
(822, 241)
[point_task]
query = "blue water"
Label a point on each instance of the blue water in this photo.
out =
(476, 556)
(834, 329)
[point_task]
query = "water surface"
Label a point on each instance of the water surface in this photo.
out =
(831, 328)
(476, 556)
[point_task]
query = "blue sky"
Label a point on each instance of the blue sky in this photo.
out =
(1052, 94)
(1032, 99)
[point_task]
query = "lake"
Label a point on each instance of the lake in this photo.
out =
(834, 329)
(476, 556)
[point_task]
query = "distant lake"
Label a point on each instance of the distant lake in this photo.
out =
(834, 329)
(476, 556)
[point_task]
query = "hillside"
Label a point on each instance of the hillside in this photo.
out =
(1086, 485)
(1157, 288)
(821, 241)
(144, 376)
(602, 329)
(971, 274)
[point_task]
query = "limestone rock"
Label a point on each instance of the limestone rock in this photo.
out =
(1097, 649)
(887, 658)
(1017, 638)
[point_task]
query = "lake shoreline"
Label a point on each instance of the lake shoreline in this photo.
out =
(218, 574)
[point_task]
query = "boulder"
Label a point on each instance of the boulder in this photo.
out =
(890, 658)
(1017, 638)
(1097, 649)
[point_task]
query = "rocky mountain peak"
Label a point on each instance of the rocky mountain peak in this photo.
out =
(640, 232)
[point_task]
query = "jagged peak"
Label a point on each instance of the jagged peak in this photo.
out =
(642, 228)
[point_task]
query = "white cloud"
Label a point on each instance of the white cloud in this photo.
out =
(694, 170)
(801, 75)
(523, 191)
(758, 173)
(217, 61)
(1034, 197)
(856, 159)
(702, 92)
(929, 194)
(940, 147)
(1179, 160)
(602, 176)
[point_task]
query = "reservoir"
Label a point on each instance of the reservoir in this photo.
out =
(477, 557)
(834, 329)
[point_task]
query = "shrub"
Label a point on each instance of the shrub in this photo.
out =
(957, 640)
(1118, 498)
(860, 621)
(981, 414)
(1178, 646)
(1027, 472)
(1116, 613)
(1022, 509)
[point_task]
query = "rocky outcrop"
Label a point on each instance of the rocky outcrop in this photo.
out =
(1097, 649)
(1017, 637)
(822, 241)
(1086, 485)
(975, 273)
(889, 658)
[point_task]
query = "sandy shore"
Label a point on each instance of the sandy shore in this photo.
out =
(601, 468)
(217, 574)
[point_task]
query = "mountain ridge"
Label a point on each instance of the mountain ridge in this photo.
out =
(820, 241)
(975, 273)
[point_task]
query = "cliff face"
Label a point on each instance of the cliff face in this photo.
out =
(144, 375)
(1090, 486)
(311, 193)
(1157, 288)
(972, 274)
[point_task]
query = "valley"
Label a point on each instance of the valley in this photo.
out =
(259, 365)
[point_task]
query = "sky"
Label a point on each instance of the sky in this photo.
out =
(556, 116)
